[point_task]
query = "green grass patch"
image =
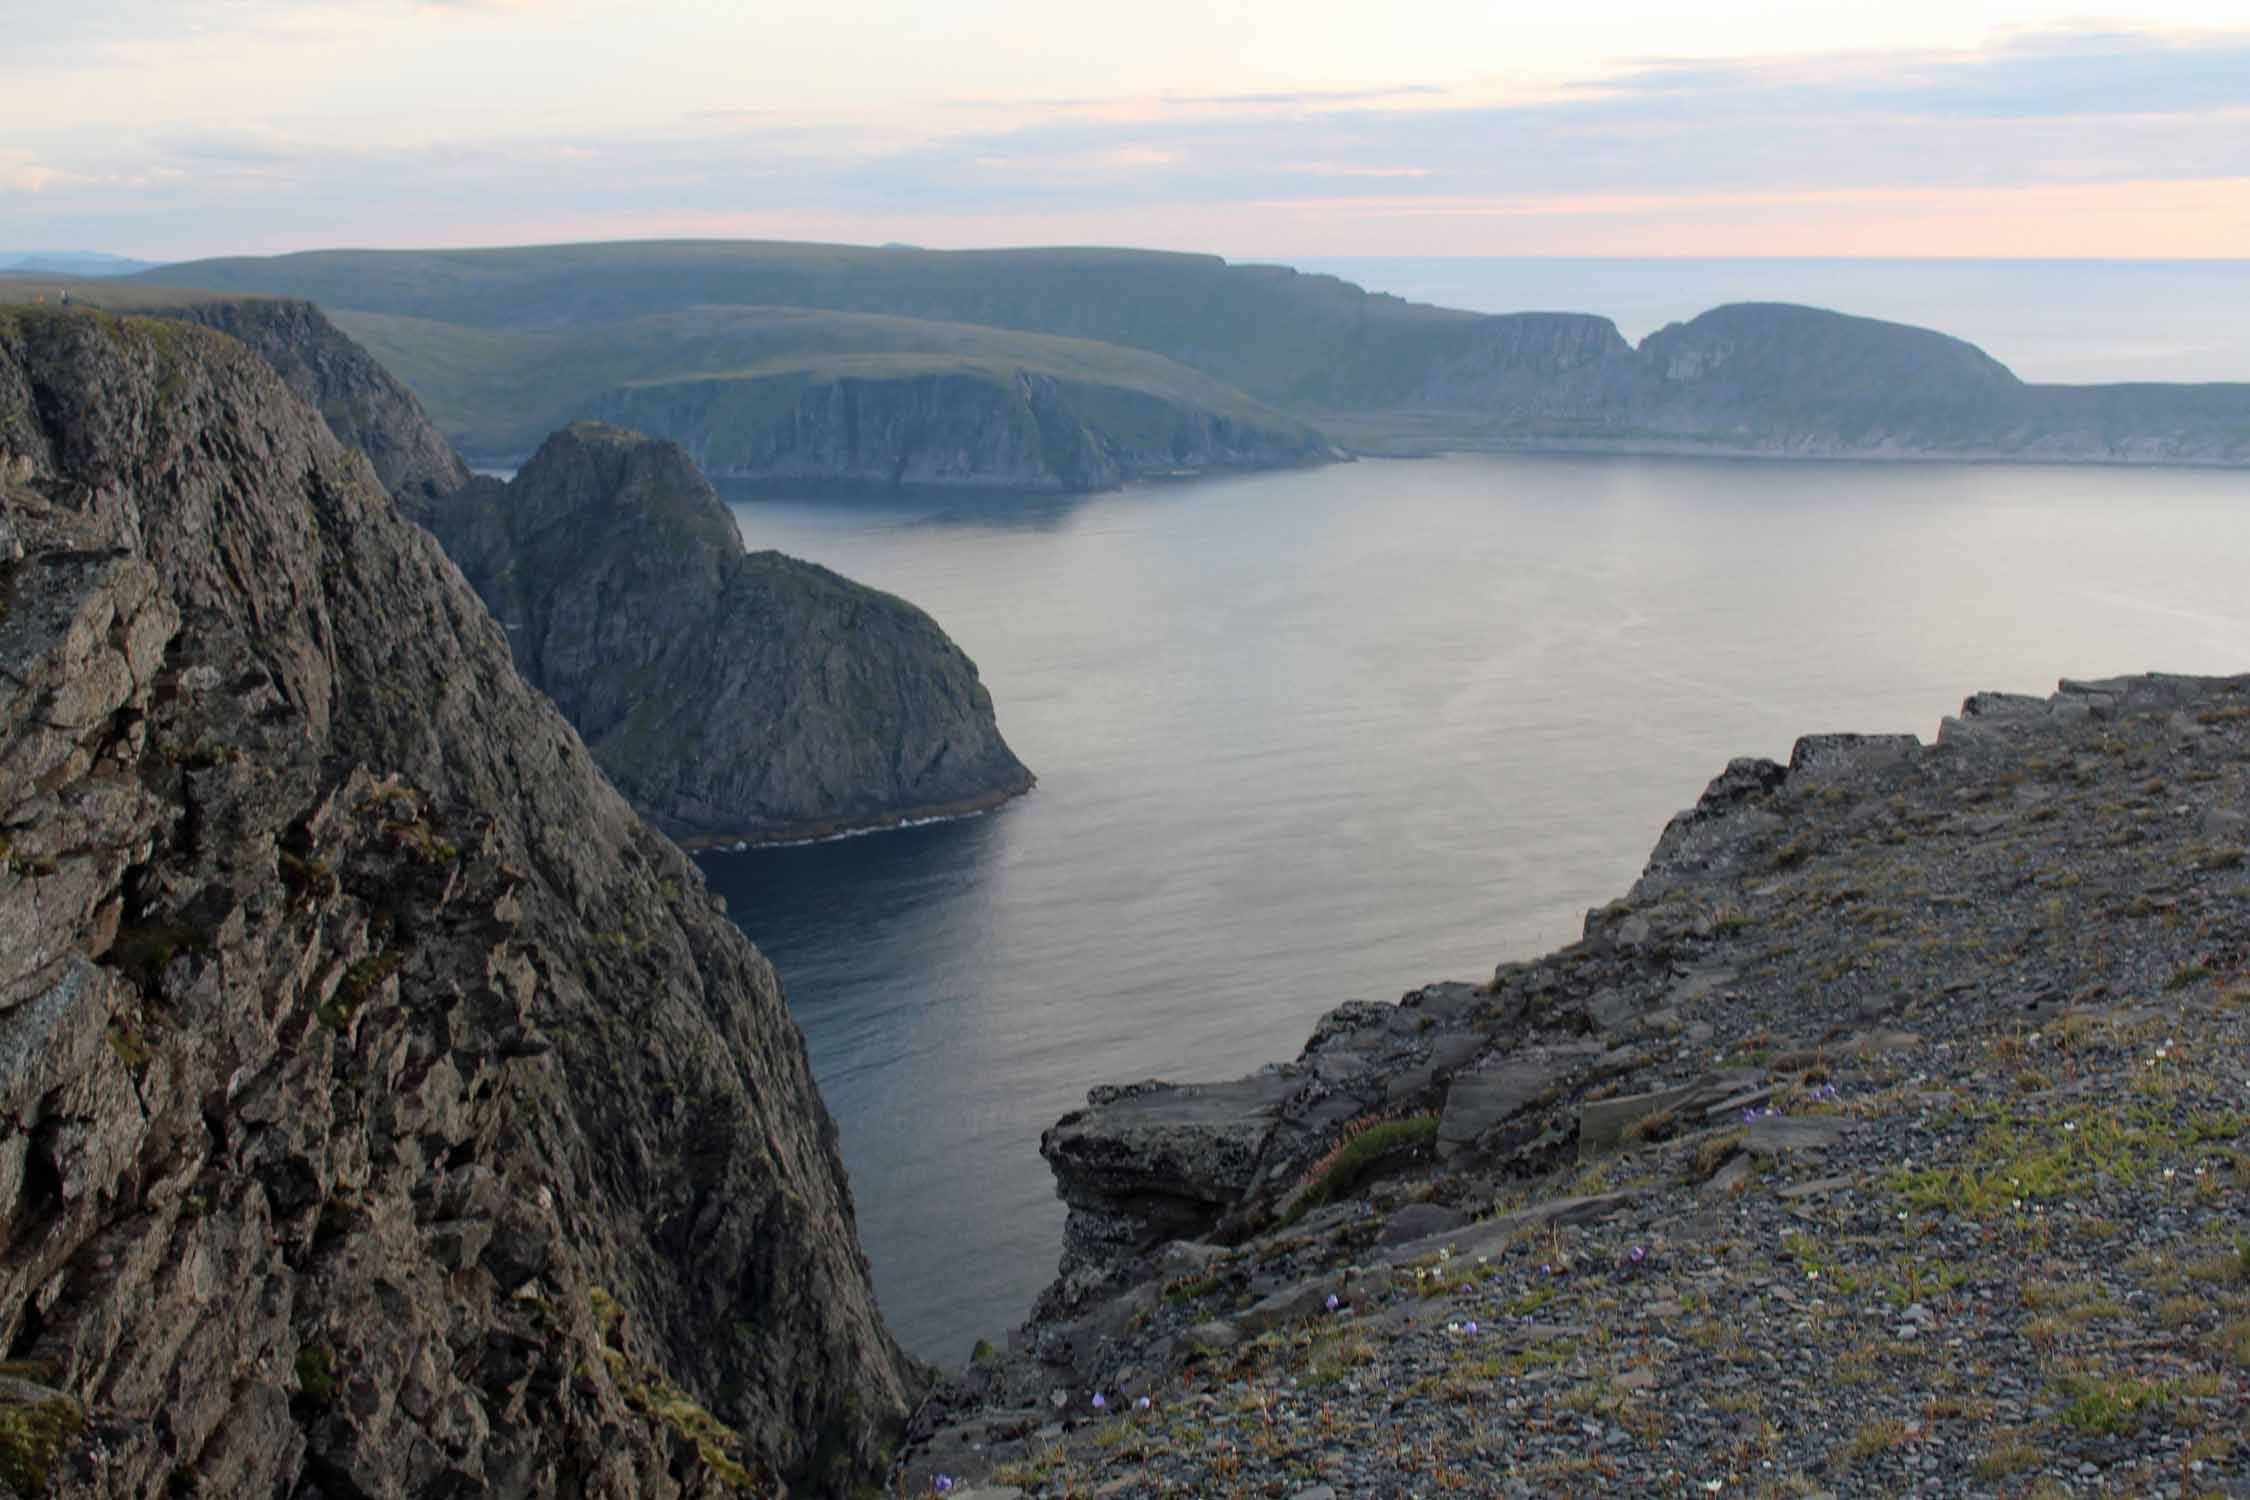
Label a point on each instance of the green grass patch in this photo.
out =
(1360, 1156)
(2021, 1157)
(2111, 1405)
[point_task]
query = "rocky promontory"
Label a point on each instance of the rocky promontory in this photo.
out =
(730, 695)
(385, 1109)
(1888, 1137)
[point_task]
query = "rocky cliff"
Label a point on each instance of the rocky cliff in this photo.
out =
(363, 405)
(1886, 1137)
(385, 1110)
(359, 400)
(997, 428)
(729, 695)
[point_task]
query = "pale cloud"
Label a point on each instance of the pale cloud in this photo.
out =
(22, 175)
(1314, 98)
(1863, 147)
(1130, 157)
(1348, 169)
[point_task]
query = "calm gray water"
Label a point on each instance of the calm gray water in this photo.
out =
(1310, 737)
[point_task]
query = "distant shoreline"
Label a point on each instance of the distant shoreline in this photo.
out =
(1690, 448)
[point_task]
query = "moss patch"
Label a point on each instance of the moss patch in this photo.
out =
(33, 1434)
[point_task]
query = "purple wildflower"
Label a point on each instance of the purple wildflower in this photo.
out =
(1099, 1403)
(1470, 1326)
(941, 1484)
(1637, 1255)
(1142, 1404)
(1748, 1115)
(1333, 1302)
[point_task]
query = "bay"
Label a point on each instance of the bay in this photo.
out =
(1325, 735)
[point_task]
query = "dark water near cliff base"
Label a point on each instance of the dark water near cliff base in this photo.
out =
(1326, 735)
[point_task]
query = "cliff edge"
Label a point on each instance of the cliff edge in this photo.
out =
(385, 1109)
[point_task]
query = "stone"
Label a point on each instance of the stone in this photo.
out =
(1216, 1334)
(1418, 1219)
(1732, 1175)
(1450, 1054)
(1818, 1188)
(1602, 1123)
(1481, 1236)
(1477, 1101)
(1289, 1305)
(1154, 1162)
(1777, 1135)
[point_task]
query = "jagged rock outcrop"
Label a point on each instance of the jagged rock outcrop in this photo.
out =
(1524, 1074)
(1015, 430)
(385, 1110)
(1979, 1004)
(363, 405)
(729, 695)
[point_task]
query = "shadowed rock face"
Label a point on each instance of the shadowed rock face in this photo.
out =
(729, 695)
(384, 1108)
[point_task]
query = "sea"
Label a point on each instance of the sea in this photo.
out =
(1322, 735)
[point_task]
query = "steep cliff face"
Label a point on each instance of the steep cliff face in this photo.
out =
(354, 395)
(384, 1108)
(961, 428)
(730, 696)
(1536, 365)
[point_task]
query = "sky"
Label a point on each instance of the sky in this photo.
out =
(168, 129)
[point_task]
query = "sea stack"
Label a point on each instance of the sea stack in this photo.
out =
(731, 695)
